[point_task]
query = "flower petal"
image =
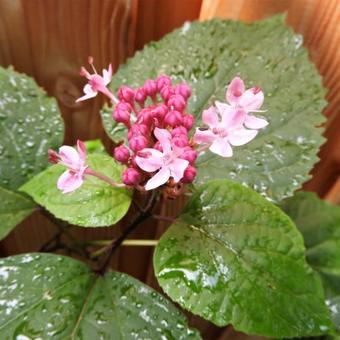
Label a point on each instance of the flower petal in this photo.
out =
(221, 147)
(152, 162)
(233, 118)
(81, 151)
(204, 137)
(69, 156)
(256, 123)
(241, 136)
(159, 179)
(69, 181)
(251, 101)
(164, 138)
(177, 168)
(107, 75)
(210, 117)
(235, 90)
(89, 93)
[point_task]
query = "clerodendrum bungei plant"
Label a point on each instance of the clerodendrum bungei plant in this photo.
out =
(223, 113)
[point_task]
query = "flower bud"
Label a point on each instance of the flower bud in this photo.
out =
(184, 90)
(160, 111)
(179, 130)
(121, 116)
(163, 81)
(188, 121)
(121, 154)
(150, 87)
(53, 156)
(180, 141)
(137, 143)
(131, 177)
(126, 93)
(189, 154)
(189, 174)
(173, 118)
(166, 92)
(123, 106)
(138, 129)
(158, 146)
(177, 102)
(140, 96)
(145, 117)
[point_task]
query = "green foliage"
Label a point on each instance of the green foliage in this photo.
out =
(233, 257)
(208, 55)
(94, 204)
(13, 209)
(319, 223)
(48, 296)
(30, 124)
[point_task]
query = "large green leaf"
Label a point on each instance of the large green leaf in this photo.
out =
(13, 209)
(94, 204)
(319, 222)
(266, 53)
(30, 124)
(233, 257)
(45, 296)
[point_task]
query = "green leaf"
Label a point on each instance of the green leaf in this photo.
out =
(13, 210)
(94, 204)
(319, 223)
(95, 145)
(266, 53)
(233, 257)
(48, 296)
(30, 124)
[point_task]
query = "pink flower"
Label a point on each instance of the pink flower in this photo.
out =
(224, 132)
(167, 162)
(249, 100)
(74, 160)
(96, 83)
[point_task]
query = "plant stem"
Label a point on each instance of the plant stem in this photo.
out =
(104, 178)
(144, 215)
(164, 218)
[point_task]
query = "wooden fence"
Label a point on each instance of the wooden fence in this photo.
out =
(50, 40)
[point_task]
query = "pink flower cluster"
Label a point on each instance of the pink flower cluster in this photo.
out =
(159, 150)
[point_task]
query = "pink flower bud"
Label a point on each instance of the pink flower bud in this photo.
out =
(121, 116)
(150, 87)
(121, 154)
(189, 154)
(163, 81)
(53, 156)
(189, 174)
(177, 102)
(173, 118)
(138, 129)
(131, 177)
(166, 92)
(180, 141)
(179, 130)
(184, 90)
(124, 106)
(138, 143)
(140, 96)
(158, 146)
(160, 111)
(188, 121)
(126, 93)
(145, 117)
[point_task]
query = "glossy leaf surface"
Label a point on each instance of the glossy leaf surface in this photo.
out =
(94, 204)
(30, 124)
(233, 257)
(45, 296)
(13, 209)
(266, 53)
